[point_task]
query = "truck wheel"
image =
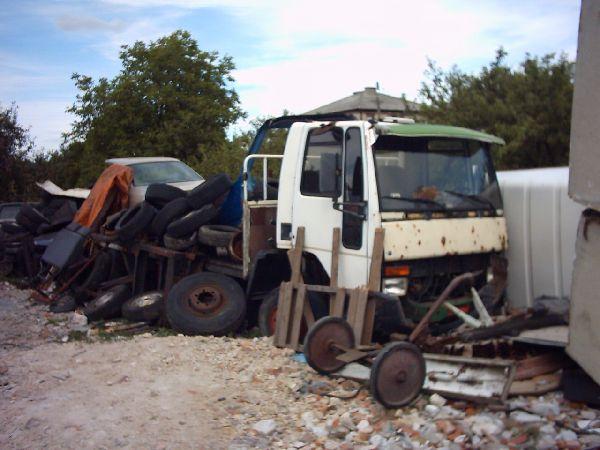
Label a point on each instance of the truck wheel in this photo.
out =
(206, 303)
(209, 191)
(216, 235)
(267, 313)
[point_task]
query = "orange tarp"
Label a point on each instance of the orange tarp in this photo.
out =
(115, 178)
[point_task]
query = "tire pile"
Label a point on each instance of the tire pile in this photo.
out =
(39, 222)
(174, 219)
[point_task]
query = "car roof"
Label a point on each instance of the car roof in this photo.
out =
(139, 160)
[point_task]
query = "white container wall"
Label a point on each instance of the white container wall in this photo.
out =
(542, 229)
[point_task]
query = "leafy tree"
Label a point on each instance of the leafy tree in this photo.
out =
(529, 107)
(170, 99)
(15, 147)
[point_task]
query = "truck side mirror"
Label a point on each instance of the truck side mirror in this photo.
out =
(329, 177)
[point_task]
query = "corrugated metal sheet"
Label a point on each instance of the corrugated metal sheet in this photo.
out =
(542, 228)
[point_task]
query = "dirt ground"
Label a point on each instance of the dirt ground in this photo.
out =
(178, 392)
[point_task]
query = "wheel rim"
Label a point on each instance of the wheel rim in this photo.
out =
(397, 375)
(206, 300)
(324, 341)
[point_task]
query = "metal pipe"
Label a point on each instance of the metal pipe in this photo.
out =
(456, 281)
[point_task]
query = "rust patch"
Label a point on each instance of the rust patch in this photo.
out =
(419, 242)
(472, 229)
(443, 240)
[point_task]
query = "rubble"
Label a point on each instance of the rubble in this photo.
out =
(255, 395)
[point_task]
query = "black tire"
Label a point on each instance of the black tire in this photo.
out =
(169, 213)
(159, 194)
(216, 235)
(117, 264)
(134, 221)
(182, 243)
(190, 223)
(206, 303)
(108, 304)
(146, 307)
(98, 274)
(66, 303)
(209, 191)
(52, 227)
(267, 313)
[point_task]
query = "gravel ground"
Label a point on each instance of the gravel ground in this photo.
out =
(204, 392)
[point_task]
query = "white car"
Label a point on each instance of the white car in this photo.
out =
(150, 170)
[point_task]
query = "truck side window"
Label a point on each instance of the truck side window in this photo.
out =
(353, 188)
(319, 141)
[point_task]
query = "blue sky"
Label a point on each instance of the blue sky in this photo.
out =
(293, 55)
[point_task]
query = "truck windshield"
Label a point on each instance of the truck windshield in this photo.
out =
(435, 174)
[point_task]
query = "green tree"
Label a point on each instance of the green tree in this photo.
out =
(15, 147)
(529, 107)
(170, 99)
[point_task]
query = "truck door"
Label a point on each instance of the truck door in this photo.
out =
(314, 209)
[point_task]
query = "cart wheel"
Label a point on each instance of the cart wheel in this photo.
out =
(397, 375)
(323, 341)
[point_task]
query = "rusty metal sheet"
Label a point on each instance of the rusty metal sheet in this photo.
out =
(411, 239)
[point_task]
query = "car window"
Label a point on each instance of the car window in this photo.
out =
(163, 172)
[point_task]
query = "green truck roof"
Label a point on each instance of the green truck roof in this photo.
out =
(429, 130)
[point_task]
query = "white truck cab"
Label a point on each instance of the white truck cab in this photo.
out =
(432, 188)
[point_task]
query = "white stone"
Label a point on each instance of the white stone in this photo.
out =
(364, 427)
(587, 414)
(524, 417)
(548, 429)
(545, 408)
(566, 435)
(486, 425)
(298, 444)
(265, 427)
(346, 420)
(432, 410)
(437, 400)
(308, 418)
(460, 438)
(318, 431)
(377, 441)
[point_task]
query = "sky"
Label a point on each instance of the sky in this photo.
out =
(294, 55)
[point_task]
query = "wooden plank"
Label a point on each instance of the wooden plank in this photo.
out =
(284, 305)
(321, 288)
(367, 334)
(335, 257)
(352, 304)
(337, 305)
(359, 314)
(295, 256)
(376, 260)
(309, 316)
(297, 313)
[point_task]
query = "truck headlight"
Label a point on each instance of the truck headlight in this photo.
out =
(395, 286)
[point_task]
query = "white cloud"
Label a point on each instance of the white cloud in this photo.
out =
(88, 24)
(47, 120)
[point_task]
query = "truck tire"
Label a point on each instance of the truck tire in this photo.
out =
(267, 313)
(134, 221)
(182, 243)
(169, 213)
(216, 235)
(146, 307)
(206, 303)
(209, 191)
(108, 304)
(159, 194)
(190, 223)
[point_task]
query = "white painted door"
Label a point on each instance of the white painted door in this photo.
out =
(314, 209)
